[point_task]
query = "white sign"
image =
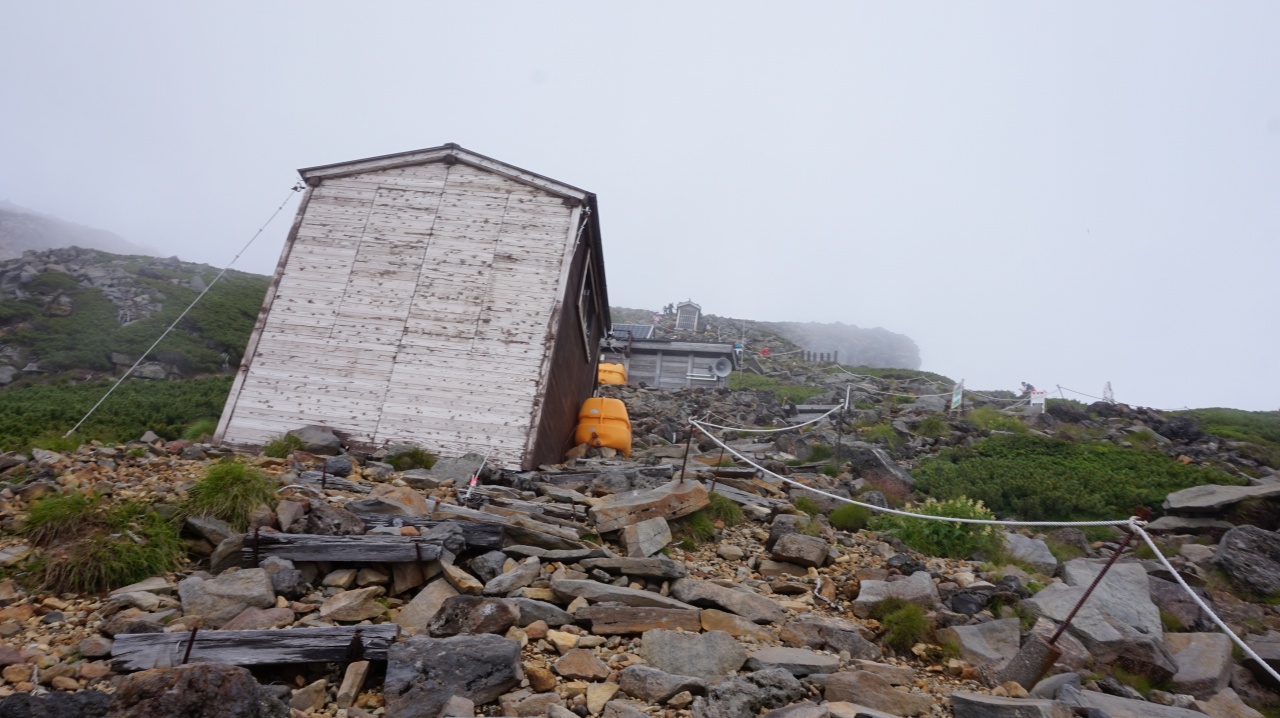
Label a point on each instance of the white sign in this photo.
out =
(1037, 399)
(957, 395)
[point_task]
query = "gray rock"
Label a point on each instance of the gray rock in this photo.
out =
(1116, 707)
(227, 554)
(977, 705)
(215, 531)
(1212, 498)
(707, 655)
(197, 690)
(918, 588)
(744, 696)
(751, 606)
(1226, 704)
(871, 690)
(473, 614)
(600, 592)
(340, 466)
(487, 566)
(1049, 687)
(1118, 624)
(800, 549)
(796, 661)
(784, 525)
(1032, 552)
(531, 611)
(525, 573)
(660, 567)
(1203, 660)
(318, 440)
(218, 600)
(1190, 525)
(56, 704)
(459, 470)
(1250, 556)
(873, 464)
(327, 520)
(647, 537)
(415, 616)
(833, 634)
(655, 686)
(1170, 598)
(804, 709)
(986, 645)
(424, 673)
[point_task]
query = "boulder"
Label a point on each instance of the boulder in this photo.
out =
(318, 440)
(415, 616)
(1212, 498)
(977, 705)
(796, 661)
(473, 614)
(424, 673)
(387, 500)
(655, 686)
(746, 695)
(1170, 598)
(600, 592)
(743, 602)
(646, 538)
(1203, 661)
(1250, 557)
(918, 588)
(871, 690)
(531, 611)
(985, 645)
(1033, 552)
(668, 501)
(218, 600)
(1116, 707)
(197, 690)
(327, 520)
(800, 549)
(524, 573)
(1118, 624)
(833, 634)
(870, 462)
(1226, 704)
(705, 655)
(581, 664)
(351, 606)
(785, 525)
(661, 567)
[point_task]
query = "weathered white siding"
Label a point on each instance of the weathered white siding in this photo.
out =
(413, 307)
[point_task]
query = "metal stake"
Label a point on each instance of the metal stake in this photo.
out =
(1080, 604)
(191, 642)
(685, 463)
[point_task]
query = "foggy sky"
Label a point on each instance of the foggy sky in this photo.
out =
(1057, 194)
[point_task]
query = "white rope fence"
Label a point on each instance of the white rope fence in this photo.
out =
(1133, 523)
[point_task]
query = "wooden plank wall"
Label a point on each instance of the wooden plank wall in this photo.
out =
(414, 307)
(671, 369)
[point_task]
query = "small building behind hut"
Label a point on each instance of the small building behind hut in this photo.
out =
(687, 316)
(670, 364)
(436, 297)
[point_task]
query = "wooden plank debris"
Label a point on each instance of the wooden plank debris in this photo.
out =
(370, 548)
(143, 651)
(477, 535)
(329, 481)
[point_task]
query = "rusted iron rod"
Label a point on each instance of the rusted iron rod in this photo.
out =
(1080, 604)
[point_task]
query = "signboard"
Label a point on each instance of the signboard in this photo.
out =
(957, 396)
(1037, 399)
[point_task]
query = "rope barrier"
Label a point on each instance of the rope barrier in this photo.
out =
(766, 431)
(296, 188)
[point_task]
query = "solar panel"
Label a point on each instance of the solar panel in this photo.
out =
(634, 331)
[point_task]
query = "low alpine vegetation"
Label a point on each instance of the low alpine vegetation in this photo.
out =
(945, 538)
(230, 491)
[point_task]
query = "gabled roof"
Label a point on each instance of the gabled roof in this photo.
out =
(687, 303)
(449, 154)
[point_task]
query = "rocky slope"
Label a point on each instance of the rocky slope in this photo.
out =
(22, 230)
(623, 587)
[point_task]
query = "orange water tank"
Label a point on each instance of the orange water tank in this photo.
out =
(604, 422)
(612, 374)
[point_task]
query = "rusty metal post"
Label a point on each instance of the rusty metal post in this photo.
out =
(1097, 580)
(191, 642)
(687, 444)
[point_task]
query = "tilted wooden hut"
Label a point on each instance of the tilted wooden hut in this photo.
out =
(436, 297)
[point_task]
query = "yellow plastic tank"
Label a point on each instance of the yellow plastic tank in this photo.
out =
(612, 374)
(604, 422)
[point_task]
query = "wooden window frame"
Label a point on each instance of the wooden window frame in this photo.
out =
(588, 316)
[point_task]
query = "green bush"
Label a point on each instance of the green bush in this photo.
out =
(821, 452)
(883, 433)
(693, 530)
(1041, 479)
(793, 393)
(990, 418)
(904, 622)
(850, 517)
(830, 470)
(201, 430)
(230, 491)
(933, 427)
(806, 505)
(411, 459)
(720, 507)
(282, 447)
(944, 538)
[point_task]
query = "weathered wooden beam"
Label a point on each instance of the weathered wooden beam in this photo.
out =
(477, 535)
(329, 481)
(370, 548)
(143, 651)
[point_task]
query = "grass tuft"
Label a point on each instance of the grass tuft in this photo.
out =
(230, 491)
(806, 505)
(281, 448)
(56, 518)
(722, 508)
(411, 459)
(904, 622)
(693, 530)
(850, 517)
(201, 430)
(933, 427)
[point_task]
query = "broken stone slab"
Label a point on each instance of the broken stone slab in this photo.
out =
(1212, 498)
(472, 615)
(977, 705)
(557, 555)
(525, 573)
(647, 537)
(603, 592)
(671, 500)
(751, 606)
(581, 664)
(1203, 660)
(1033, 552)
(800, 549)
(985, 645)
(424, 673)
(872, 463)
(918, 589)
(1118, 624)
(532, 610)
(357, 605)
(1190, 525)
(624, 620)
(218, 600)
(645, 567)
(796, 661)
(734, 625)
(1116, 707)
(871, 690)
(833, 634)
(415, 616)
(702, 655)
(1250, 556)
(655, 686)
(745, 695)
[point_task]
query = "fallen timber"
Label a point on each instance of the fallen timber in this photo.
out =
(369, 548)
(143, 651)
(319, 479)
(477, 535)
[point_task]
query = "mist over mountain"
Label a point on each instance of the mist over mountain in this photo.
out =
(857, 346)
(22, 229)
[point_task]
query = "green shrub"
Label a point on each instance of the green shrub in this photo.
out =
(796, 394)
(57, 517)
(945, 538)
(722, 508)
(693, 530)
(411, 459)
(883, 433)
(850, 517)
(806, 505)
(830, 470)
(230, 491)
(990, 418)
(933, 427)
(201, 430)
(137, 543)
(904, 622)
(821, 452)
(1041, 479)
(282, 447)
